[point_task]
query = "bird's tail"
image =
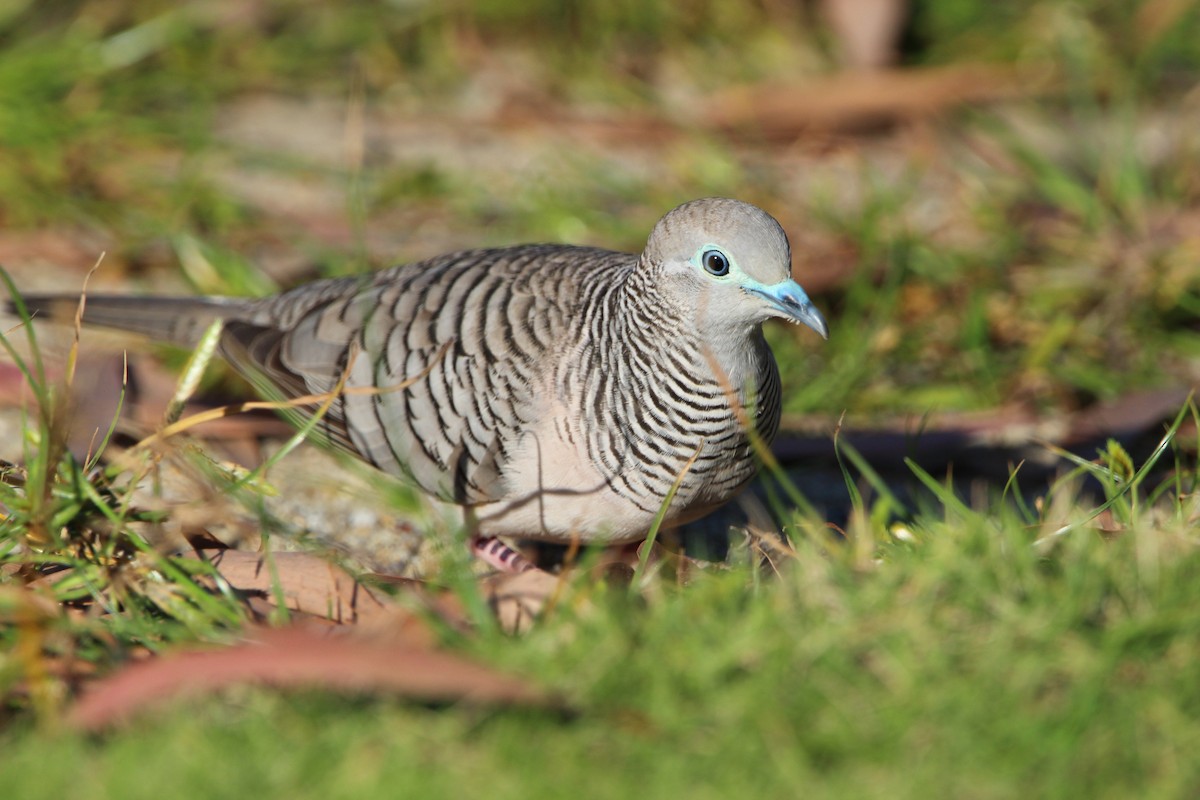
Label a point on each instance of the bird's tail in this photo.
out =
(177, 320)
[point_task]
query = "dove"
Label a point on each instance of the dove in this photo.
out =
(556, 392)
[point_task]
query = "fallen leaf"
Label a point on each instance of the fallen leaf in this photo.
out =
(857, 100)
(1135, 414)
(519, 599)
(988, 443)
(308, 584)
(293, 658)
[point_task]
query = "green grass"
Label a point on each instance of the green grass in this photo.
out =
(969, 663)
(1038, 254)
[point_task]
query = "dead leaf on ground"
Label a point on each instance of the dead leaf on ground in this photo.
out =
(322, 592)
(858, 100)
(519, 599)
(308, 584)
(1133, 414)
(294, 658)
(988, 443)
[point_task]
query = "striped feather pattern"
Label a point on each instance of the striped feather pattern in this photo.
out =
(565, 389)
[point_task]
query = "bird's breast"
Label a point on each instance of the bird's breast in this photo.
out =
(614, 434)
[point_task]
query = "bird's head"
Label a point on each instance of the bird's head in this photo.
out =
(731, 261)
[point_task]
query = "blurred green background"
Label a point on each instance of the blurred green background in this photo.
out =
(1023, 231)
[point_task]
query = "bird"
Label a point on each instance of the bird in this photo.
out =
(557, 392)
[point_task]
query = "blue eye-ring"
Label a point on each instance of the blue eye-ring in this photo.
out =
(715, 263)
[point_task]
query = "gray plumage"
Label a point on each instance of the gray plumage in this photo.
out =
(567, 387)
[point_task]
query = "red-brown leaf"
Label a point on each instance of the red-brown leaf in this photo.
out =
(308, 584)
(298, 657)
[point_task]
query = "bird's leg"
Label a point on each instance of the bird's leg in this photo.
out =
(496, 553)
(491, 550)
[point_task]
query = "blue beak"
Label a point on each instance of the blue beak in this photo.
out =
(790, 302)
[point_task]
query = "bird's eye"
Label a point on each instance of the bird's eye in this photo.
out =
(715, 263)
